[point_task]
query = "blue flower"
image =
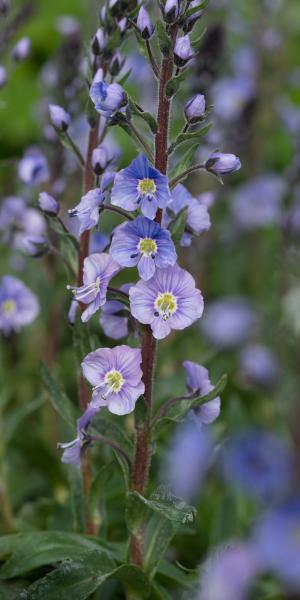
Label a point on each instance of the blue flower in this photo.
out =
(276, 542)
(98, 269)
(141, 186)
(107, 98)
(33, 167)
(197, 380)
(258, 463)
(87, 211)
(18, 305)
(115, 318)
(72, 451)
(144, 243)
(198, 219)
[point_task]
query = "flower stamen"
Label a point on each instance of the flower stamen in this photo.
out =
(165, 305)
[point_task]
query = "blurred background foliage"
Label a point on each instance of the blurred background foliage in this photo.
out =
(258, 264)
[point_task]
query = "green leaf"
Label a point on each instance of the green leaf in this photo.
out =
(175, 575)
(196, 9)
(178, 225)
(163, 39)
(14, 419)
(195, 135)
(91, 114)
(146, 116)
(80, 578)
(28, 551)
(77, 498)
(123, 80)
(58, 398)
(185, 161)
(109, 430)
(163, 502)
(196, 45)
(158, 534)
(174, 84)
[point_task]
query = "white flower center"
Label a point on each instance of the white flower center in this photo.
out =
(165, 305)
(146, 187)
(8, 307)
(147, 247)
(114, 381)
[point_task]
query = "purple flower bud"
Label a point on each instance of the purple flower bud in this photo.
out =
(22, 49)
(116, 64)
(183, 51)
(221, 164)
(72, 312)
(190, 21)
(35, 245)
(107, 98)
(2, 76)
(48, 204)
(98, 42)
(123, 24)
(100, 160)
(144, 24)
(171, 11)
(60, 119)
(194, 109)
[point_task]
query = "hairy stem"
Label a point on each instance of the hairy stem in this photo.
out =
(143, 448)
(89, 180)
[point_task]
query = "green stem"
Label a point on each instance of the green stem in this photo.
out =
(185, 174)
(75, 149)
(141, 140)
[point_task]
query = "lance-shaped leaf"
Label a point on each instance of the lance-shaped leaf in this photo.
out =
(163, 39)
(146, 116)
(58, 398)
(158, 534)
(174, 84)
(195, 135)
(185, 162)
(161, 501)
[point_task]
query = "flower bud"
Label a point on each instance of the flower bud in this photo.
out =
(35, 245)
(194, 109)
(220, 164)
(171, 11)
(122, 24)
(107, 98)
(60, 119)
(183, 51)
(3, 77)
(116, 64)
(98, 42)
(4, 7)
(192, 20)
(144, 24)
(48, 204)
(100, 160)
(22, 49)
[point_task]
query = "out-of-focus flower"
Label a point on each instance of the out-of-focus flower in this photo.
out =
(197, 381)
(33, 167)
(198, 219)
(257, 203)
(183, 51)
(114, 317)
(3, 76)
(259, 463)
(141, 186)
(4, 7)
(74, 306)
(229, 573)
(290, 115)
(194, 108)
(87, 211)
(116, 377)
(108, 98)
(171, 11)
(221, 164)
(144, 24)
(230, 97)
(98, 242)
(259, 366)
(98, 269)
(169, 300)
(22, 49)
(20, 223)
(48, 204)
(35, 245)
(277, 544)
(67, 25)
(18, 305)
(60, 119)
(228, 322)
(144, 243)
(98, 41)
(188, 459)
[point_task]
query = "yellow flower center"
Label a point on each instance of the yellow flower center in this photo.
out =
(114, 380)
(165, 305)
(147, 246)
(146, 187)
(8, 306)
